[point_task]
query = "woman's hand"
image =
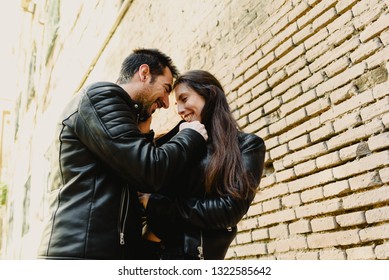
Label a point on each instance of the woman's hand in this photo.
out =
(195, 125)
(143, 199)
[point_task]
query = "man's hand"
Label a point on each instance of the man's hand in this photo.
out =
(196, 125)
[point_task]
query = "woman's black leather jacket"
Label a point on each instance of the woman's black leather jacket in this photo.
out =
(186, 217)
(99, 162)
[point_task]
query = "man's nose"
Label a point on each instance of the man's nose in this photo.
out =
(165, 101)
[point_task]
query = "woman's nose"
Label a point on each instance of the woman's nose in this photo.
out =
(180, 109)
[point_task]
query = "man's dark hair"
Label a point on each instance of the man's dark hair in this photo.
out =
(155, 59)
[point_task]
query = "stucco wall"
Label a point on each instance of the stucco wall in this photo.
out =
(309, 77)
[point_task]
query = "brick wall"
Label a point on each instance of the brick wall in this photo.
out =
(315, 87)
(309, 77)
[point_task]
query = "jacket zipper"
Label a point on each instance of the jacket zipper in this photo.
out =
(201, 248)
(123, 213)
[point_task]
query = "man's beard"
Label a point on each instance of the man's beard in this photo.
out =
(146, 104)
(144, 113)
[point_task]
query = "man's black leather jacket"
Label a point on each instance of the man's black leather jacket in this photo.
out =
(100, 162)
(188, 218)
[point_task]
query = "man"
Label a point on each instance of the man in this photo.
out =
(104, 160)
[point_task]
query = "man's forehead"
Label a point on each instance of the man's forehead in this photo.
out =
(167, 77)
(168, 73)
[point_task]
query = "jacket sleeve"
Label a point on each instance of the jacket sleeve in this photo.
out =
(107, 125)
(210, 213)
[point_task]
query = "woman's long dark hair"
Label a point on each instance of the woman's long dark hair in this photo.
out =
(224, 174)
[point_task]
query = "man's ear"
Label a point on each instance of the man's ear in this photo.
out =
(144, 71)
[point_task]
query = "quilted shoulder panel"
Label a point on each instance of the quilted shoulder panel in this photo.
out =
(115, 109)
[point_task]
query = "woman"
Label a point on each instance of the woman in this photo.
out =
(197, 218)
